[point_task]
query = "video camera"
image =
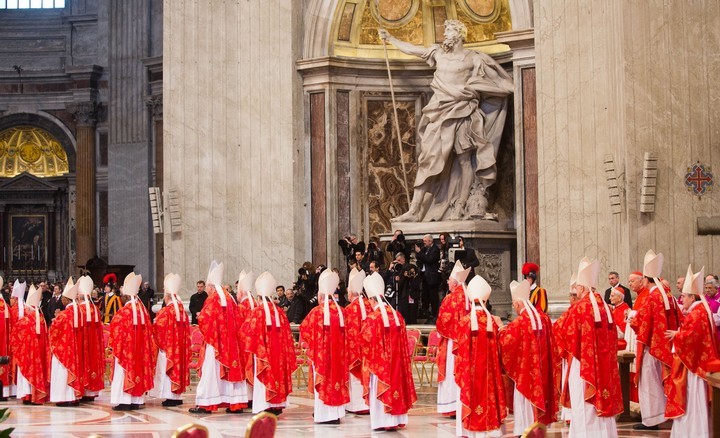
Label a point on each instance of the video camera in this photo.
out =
(455, 253)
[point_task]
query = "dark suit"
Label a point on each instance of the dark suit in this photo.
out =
(54, 304)
(471, 261)
(429, 264)
(628, 298)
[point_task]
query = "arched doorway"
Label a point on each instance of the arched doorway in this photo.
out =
(37, 184)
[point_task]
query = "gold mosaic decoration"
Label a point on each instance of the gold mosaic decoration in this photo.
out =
(32, 150)
(416, 21)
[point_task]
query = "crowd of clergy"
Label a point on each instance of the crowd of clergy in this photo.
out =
(536, 369)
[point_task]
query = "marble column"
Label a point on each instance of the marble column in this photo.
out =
(84, 114)
(155, 104)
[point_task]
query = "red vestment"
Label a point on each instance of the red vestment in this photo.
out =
(32, 354)
(134, 348)
(529, 359)
(93, 349)
(650, 324)
(385, 355)
(619, 314)
(561, 349)
(453, 308)
(353, 326)
(220, 327)
(479, 376)
(66, 344)
(328, 355)
(594, 345)
(694, 347)
(274, 351)
(173, 338)
(6, 324)
(642, 296)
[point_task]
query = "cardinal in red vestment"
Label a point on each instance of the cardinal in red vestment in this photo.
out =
(637, 284)
(171, 330)
(30, 349)
(695, 346)
(528, 357)
(561, 348)
(592, 390)
(93, 345)
(324, 331)
(658, 314)
(481, 407)
(620, 313)
(454, 306)
(17, 311)
(269, 340)
(65, 338)
(388, 382)
(134, 350)
(355, 315)
(246, 304)
(222, 375)
(6, 324)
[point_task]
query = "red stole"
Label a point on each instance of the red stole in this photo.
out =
(220, 327)
(479, 375)
(353, 326)
(694, 347)
(66, 344)
(453, 308)
(173, 338)
(529, 360)
(594, 345)
(274, 351)
(93, 349)
(385, 354)
(32, 354)
(650, 324)
(327, 352)
(134, 348)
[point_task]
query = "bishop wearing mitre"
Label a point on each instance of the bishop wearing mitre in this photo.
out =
(67, 383)
(6, 324)
(92, 340)
(30, 348)
(246, 304)
(355, 315)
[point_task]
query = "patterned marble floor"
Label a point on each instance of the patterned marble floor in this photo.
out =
(155, 421)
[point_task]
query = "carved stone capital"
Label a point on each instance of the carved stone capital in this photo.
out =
(155, 103)
(84, 113)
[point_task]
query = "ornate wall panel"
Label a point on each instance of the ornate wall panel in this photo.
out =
(385, 185)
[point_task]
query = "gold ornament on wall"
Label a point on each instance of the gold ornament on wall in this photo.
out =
(33, 150)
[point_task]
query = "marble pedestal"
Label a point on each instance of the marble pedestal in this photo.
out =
(494, 245)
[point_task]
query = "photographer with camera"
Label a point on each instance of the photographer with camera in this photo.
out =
(307, 283)
(349, 245)
(392, 278)
(444, 245)
(428, 259)
(467, 257)
(409, 293)
(398, 244)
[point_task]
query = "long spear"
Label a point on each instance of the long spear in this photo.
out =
(392, 96)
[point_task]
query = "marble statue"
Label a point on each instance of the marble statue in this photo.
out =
(460, 129)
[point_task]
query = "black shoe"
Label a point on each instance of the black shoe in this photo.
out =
(199, 410)
(3, 399)
(274, 411)
(87, 399)
(71, 404)
(330, 422)
(230, 411)
(122, 407)
(643, 427)
(171, 402)
(135, 407)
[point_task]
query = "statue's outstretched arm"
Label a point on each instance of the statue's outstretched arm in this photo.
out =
(407, 48)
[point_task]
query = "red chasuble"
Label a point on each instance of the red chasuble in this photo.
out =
(479, 376)
(619, 314)
(274, 352)
(66, 343)
(327, 352)
(594, 345)
(93, 349)
(650, 324)
(529, 359)
(353, 326)
(694, 347)
(173, 337)
(6, 375)
(220, 327)
(385, 354)
(641, 299)
(452, 310)
(32, 354)
(134, 348)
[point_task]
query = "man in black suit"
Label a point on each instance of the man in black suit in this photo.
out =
(428, 258)
(468, 258)
(614, 280)
(55, 305)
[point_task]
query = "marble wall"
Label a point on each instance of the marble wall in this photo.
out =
(233, 128)
(621, 79)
